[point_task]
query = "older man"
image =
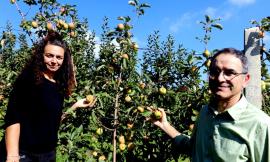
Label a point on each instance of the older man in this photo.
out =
(229, 128)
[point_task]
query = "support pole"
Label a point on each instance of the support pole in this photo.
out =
(252, 49)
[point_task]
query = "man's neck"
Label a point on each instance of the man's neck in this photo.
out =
(223, 105)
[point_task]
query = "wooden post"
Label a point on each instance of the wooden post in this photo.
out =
(252, 51)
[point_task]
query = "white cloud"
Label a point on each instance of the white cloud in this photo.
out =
(211, 11)
(218, 13)
(184, 21)
(242, 2)
(97, 47)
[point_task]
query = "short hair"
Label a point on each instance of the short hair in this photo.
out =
(237, 53)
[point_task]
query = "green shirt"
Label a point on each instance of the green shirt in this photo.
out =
(239, 134)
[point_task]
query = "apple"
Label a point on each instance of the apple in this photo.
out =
(1, 97)
(128, 99)
(120, 27)
(49, 26)
(157, 114)
(140, 109)
(34, 24)
(90, 98)
(142, 85)
(130, 125)
(122, 146)
(208, 63)
(191, 126)
(135, 46)
(193, 68)
(61, 22)
(130, 146)
(162, 90)
(102, 158)
(71, 26)
(263, 85)
(12, 1)
(121, 139)
(72, 34)
(99, 131)
(125, 56)
(267, 85)
(206, 53)
(65, 25)
(94, 153)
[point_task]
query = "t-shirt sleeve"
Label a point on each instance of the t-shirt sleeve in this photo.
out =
(181, 145)
(16, 102)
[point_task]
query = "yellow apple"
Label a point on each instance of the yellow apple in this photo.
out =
(125, 56)
(191, 126)
(102, 158)
(65, 25)
(135, 46)
(130, 125)
(71, 26)
(90, 98)
(157, 114)
(130, 146)
(99, 131)
(121, 139)
(34, 24)
(206, 53)
(208, 63)
(128, 99)
(94, 153)
(122, 146)
(140, 109)
(49, 26)
(72, 34)
(162, 90)
(263, 85)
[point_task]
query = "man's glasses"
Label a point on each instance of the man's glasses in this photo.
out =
(227, 74)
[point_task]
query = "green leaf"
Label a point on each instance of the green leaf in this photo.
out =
(207, 18)
(145, 5)
(164, 71)
(120, 18)
(218, 26)
(124, 63)
(100, 67)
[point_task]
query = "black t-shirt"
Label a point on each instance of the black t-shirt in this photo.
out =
(38, 109)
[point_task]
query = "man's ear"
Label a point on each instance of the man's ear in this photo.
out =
(246, 80)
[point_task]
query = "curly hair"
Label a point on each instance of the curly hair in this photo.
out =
(64, 77)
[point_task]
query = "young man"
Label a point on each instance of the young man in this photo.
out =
(229, 128)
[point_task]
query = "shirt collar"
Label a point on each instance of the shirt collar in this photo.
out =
(236, 110)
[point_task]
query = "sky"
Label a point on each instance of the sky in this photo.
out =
(175, 17)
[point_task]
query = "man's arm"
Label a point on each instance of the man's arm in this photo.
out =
(12, 142)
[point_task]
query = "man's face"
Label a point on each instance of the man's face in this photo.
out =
(53, 57)
(229, 79)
